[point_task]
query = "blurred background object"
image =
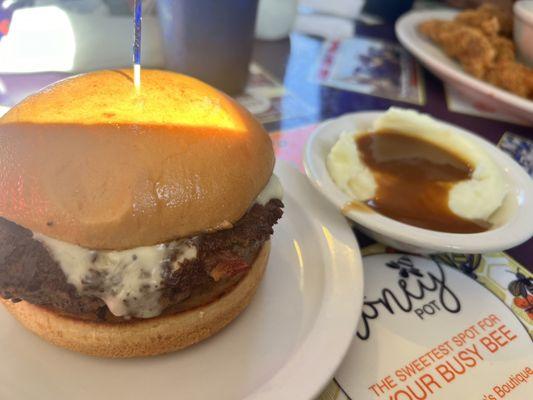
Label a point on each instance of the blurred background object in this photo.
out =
(331, 19)
(73, 41)
(523, 30)
(389, 10)
(126, 6)
(95, 7)
(341, 8)
(275, 19)
(323, 26)
(209, 39)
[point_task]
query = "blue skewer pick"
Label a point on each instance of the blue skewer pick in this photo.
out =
(137, 16)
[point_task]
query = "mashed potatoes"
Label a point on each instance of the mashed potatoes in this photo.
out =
(476, 198)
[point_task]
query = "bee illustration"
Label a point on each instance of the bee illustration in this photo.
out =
(405, 267)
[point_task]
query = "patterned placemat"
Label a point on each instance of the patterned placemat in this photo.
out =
(511, 282)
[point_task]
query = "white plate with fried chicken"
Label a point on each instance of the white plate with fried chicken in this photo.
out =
(474, 52)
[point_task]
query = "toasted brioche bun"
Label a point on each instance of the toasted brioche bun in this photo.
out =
(142, 337)
(91, 161)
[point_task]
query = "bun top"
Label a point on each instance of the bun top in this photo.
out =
(92, 161)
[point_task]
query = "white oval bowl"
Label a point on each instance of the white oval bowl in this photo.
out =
(513, 221)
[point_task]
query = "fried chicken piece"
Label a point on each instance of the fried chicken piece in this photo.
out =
(488, 18)
(513, 77)
(504, 16)
(505, 49)
(489, 26)
(433, 28)
(467, 45)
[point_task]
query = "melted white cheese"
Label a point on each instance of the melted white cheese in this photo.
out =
(273, 190)
(128, 281)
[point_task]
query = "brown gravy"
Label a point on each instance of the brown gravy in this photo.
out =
(414, 178)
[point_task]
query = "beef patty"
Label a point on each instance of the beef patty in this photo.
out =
(28, 272)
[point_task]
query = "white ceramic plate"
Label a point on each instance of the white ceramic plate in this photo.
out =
(286, 345)
(450, 71)
(513, 221)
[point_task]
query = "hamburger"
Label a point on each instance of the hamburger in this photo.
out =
(132, 223)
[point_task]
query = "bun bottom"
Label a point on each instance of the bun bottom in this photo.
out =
(143, 337)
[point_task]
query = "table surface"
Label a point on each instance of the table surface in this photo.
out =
(291, 62)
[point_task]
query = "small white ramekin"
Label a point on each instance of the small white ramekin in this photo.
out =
(523, 30)
(513, 222)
